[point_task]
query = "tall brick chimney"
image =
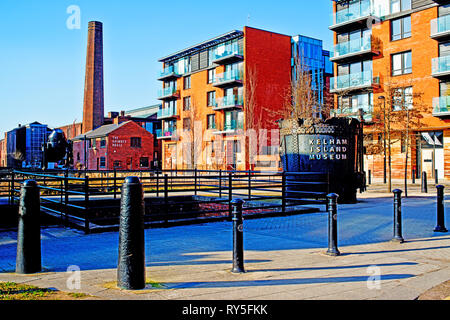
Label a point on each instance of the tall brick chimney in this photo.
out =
(93, 107)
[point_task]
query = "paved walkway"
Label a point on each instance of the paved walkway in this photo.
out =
(284, 257)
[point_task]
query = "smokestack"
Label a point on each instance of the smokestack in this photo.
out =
(93, 106)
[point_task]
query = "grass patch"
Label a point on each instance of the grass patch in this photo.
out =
(14, 291)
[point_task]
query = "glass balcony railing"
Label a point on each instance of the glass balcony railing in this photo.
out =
(229, 101)
(440, 25)
(440, 65)
(169, 71)
(441, 105)
(352, 47)
(350, 81)
(230, 50)
(233, 125)
(228, 76)
(353, 12)
(354, 112)
(166, 133)
(167, 112)
(167, 92)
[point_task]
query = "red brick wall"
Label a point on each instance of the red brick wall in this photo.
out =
(72, 130)
(118, 148)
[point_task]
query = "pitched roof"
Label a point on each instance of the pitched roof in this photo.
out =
(102, 131)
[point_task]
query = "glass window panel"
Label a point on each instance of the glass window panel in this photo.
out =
(395, 6)
(407, 62)
(396, 64)
(407, 27)
(396, 29)
(406, 5)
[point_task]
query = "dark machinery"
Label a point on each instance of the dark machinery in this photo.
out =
(57, 149)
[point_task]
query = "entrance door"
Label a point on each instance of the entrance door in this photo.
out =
(432, 153)
(231, 155)
(130, 164)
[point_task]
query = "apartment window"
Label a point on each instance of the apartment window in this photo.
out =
(187, 124)
(117, 164)
(401, 28)
(186, 103)
(400, 5)
(144, 162)
(102, 162)
(211, 98)
(187, 82)
(401, 63)
(135, 142)
(211, 75)
(211, 121)
(103, 143)
(402, 99)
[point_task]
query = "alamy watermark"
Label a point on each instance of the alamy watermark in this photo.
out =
(74, 280)
(74, 20)
(374, 280)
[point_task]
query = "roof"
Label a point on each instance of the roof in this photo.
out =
(203, 45)
(143, 112)
(102, 131)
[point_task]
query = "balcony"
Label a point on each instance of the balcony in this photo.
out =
(228, 78)
(165, 134)
(358, 48)
(355, 15)
(353, 81)
(231, 53)
(440, 67)
(354, 112)
(441, 106)
(168, 93)
(231, 127)
(167, 113)
(440, 28)
(168, 74)
(229, 102)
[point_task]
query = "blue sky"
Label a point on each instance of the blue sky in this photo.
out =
(42, 62)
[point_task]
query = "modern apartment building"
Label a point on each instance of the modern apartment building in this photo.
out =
(400, 44)
(218, 91)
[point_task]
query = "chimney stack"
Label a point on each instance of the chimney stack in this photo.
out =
(93, 107)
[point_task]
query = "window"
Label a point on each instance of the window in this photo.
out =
(402, 99)
(143, 162)
(211, 98)
(117, 164)
(211, 121)
(401, 63)
(135, 142)
(102, 162)
(186, 103)
(187, 82)
(401, 28)
(103, 143)
(187, 124)
(400, 5)
(211, 75)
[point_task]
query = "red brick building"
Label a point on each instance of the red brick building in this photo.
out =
(124, 146)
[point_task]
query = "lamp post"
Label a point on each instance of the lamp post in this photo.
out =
(384, 137)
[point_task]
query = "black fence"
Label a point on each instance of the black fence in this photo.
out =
(91, 200)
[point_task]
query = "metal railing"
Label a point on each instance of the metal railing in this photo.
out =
(90, 200)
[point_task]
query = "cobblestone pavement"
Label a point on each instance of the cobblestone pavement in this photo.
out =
(283, 256)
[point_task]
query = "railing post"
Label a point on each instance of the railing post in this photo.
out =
(413, 176)
(230, 194)
(332, 225)
(86, 205)
(28, 259)
(398, 216)
(370, 177)
(220, 183)
(195, 181)
(115, 183)
(157, 183)
(424, 182)
(131, 266)
(166, 198)
(66, 194)
(436, 176)
(238, 237)
(12, 187)
(249, 185)
(283, 192)
(440, 227)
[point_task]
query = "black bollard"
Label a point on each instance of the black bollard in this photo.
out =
(424, 182)
(440, 210)
(413, 176)
(131, 265)
(238, 236)
(398, 216)
(332, 225)
(436, 176)
(28, 258)
(370, 177)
